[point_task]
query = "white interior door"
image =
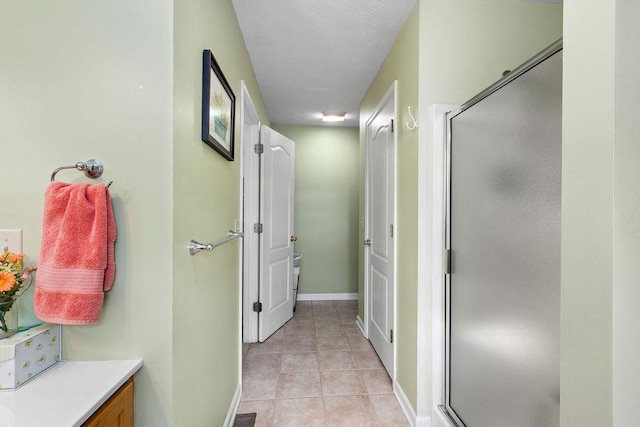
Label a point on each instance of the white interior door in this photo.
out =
(276, 247)
(379, 225)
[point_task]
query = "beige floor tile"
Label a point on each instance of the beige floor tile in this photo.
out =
(388, 410)
(299, 330)
(377, 381)
(299, 362)
(328, 329)
(272, 345)
(336, 361)
(332, 318)
(300, 319)
(352, 330)
(303, 307)
(259, 387)
(336, 343)
(320, 308)
(257, 363)
(263, 410)
(298, 344)
(348, 411)
(322, 303)
(303, 304)
(299, 413)
(348, 319)
(342, 383)
(344, 304)
(359, 343)
(278, 334)
(298, 384)
(305, 375)
(367, 359)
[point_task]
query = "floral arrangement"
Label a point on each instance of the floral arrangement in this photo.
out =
(12, 278)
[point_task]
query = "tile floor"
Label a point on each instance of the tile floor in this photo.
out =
(318, 370)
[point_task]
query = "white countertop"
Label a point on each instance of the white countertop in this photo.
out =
(65, 395)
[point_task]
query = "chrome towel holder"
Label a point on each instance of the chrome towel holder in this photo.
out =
(92, 168)
(195, 247)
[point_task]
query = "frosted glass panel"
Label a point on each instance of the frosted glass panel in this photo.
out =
(505, 240)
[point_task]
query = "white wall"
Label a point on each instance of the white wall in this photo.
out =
(82, 79)
(587, 213)
(626, 217)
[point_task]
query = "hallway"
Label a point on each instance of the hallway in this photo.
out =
(318, 370)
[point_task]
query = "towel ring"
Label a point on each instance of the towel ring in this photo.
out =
(92, 168)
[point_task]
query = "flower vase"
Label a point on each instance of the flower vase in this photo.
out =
(8, 316)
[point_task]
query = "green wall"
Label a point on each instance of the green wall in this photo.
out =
(401, 64)
(326, 207)
(206, 201)
(83, 80)
(465, 45)
(120, 81)
(454, 49)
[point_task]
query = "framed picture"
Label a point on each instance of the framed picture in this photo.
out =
(218, 108)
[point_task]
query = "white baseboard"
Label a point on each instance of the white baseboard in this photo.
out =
(231, 415)
(408, 410)
(326, 297)
(360, 324)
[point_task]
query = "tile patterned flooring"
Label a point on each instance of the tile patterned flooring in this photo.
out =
(318, 370)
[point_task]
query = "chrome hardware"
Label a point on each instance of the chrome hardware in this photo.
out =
(367, 242)
(92, 168)
(293, 238)
(195, 247)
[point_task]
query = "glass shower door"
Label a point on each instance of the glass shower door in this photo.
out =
(503, 292)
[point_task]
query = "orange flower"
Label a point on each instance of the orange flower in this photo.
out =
(13, 258)
(7, 280)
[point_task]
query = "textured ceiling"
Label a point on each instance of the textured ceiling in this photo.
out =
(312, 56)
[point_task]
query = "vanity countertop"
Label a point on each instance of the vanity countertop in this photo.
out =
(65, 395)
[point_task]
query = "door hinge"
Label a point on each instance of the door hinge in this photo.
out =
(258, 228)
(447, 261)
(391, 125)
(391, 230)
(391, 335)
(258, 148)
(257, 307)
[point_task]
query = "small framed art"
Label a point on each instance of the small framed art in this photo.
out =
(218, 108)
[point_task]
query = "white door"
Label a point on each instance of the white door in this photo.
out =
(276, 246)
(380, 216)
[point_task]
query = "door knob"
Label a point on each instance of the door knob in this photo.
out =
(293, 238)
(367, 242)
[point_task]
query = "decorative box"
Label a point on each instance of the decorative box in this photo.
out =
(26, 354)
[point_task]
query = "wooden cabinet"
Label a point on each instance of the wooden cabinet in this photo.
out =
(117, 411)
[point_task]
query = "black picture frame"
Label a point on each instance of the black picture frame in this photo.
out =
(218, 108)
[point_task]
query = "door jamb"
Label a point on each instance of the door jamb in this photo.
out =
(431, 298)
(249, 166)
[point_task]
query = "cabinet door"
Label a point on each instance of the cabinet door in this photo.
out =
(117, 411)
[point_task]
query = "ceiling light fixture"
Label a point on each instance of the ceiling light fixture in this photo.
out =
(333, 117)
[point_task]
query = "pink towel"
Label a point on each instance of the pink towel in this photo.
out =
(77, 261)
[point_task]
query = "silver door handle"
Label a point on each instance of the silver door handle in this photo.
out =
(367, 242)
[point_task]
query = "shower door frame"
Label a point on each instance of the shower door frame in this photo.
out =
(445, 407)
